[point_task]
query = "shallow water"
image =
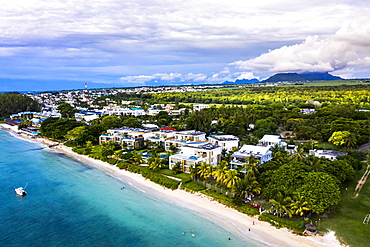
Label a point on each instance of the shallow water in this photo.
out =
(72, 204)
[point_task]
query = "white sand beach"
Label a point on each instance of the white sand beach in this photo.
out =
(228, 218)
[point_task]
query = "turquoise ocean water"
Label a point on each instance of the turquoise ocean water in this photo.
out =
(72, 204)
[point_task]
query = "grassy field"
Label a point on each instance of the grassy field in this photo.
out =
(168, 172)
(347, 220)
(329, 83)
(213, 105)
(328, 145)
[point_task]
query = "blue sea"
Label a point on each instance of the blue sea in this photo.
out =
(70, 203)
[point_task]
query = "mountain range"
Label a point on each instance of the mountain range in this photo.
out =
(292, 77)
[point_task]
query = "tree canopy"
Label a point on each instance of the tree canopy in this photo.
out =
(11, 103)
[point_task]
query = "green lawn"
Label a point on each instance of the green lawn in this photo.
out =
(168, 172)
(347, 220)
(327, 146)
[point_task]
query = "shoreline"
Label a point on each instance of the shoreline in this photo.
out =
(228, 218)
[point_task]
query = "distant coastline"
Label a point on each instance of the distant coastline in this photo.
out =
(230, 219)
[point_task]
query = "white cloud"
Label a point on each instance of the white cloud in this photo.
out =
(246, 75)
(349, 46)
(166, 77)
(100, 40)
(222, 76)
(137, 80)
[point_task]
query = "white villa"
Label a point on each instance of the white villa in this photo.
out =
(195, 152)
(87, 116)
(270, 141)
(240, 157)
(228, 142)
(200, 107)
(329, 154)
(127, 137)
(181, 138)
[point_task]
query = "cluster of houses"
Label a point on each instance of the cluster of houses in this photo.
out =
(86, 115)
(193, 147)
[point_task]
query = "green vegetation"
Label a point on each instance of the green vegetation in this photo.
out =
(292, 187)
(347, 219)
(11, 103)
(355, 94)
(333, 83)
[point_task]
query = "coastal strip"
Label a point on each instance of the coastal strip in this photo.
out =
(248, 228)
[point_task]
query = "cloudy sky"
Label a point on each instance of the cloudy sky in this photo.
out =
(60, 44)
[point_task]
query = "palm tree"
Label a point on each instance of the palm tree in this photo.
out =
(118, 154)
(351, 141)
(281, 204)
(220, 172)
(203, 170)
(299, 204)
(315, 164)
(137, 157)
(299, 155)
(89, 144)
(176, 168)
(251, 166)
(240, 188)
(155, 161)
(232, 176)
(194, 169)
(253, 186)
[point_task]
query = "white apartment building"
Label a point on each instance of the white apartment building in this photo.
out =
(127, 137)
(241, 156)
(181, 138)
(195, 153)
(228, 142)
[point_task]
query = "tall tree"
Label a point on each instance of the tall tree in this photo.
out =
(343, 138)
(204, 170)
(281, 204)
(299, 155)
(12, 103)
(251, 167)
(220, 171)
(321, 191)
(67, 110)
(232, 176)
(155, 161)
(299, 204)
(136, 157)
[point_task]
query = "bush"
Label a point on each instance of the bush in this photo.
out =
(70, 144)
(149, 174)
(231, 202)
(83, 151)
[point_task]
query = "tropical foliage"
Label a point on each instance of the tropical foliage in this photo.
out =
(11, 103)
